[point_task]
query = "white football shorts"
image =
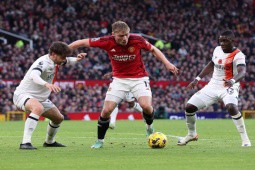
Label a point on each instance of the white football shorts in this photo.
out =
(20, 100)
(119, 87)
(211, 94)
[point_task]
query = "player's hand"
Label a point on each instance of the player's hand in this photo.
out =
(228, 83)
(192, 84)
(107, 75)
(53, 87)
(173, 69)
(81, 56)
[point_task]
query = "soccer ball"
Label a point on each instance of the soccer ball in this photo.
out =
(157, 140)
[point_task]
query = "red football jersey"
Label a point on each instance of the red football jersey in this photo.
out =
(126, 60)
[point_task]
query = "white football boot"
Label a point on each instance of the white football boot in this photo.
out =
(187, 139)
(246, 143)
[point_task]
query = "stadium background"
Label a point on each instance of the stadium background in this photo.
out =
(187, 31)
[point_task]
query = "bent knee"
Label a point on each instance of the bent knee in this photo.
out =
(190, 108)
(58, 119)
(232, 109)
(107, 111)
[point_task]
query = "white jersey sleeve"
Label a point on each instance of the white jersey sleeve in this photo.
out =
(239, 59)
(35, 75)
(71, 60)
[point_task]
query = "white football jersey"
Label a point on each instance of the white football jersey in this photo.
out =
(28, 86)
(47, 68)
(225, 65)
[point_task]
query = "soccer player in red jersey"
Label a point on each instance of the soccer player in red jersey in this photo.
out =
(129, 74)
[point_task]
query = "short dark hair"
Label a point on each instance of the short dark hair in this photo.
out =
(60, 48)
(228, 33)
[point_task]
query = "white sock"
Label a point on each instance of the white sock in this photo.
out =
(148, 126)
(191, 123)
(52, 129)
(239, 123)
(30, 126)
(114, 115)
(138, 108)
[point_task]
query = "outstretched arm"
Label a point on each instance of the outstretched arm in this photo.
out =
(241, 69)
(73, 60)
(207, 70)
(79, 43)
(159, 55)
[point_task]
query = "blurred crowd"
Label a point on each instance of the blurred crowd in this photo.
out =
(189, 27)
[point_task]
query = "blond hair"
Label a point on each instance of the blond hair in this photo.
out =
(120, 26)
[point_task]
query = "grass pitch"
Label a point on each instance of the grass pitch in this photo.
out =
(219, 147)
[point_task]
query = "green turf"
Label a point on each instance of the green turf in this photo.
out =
(219, 147)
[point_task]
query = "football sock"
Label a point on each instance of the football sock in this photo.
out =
(30, 126)
(239, 123)
(148, 118)
(137, 107)
(102, 126)
(114, 115)
(191, 123)
(52, 129)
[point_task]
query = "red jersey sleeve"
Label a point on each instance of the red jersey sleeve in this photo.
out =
(145, 44)
(101, 42)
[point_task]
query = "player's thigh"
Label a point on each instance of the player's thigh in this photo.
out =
(141, 88)
(51, 112)
(230, 96)
(108, 107)
(145, 101)
(116, 92)
(54, 115)
(27, 103)
(203, 98)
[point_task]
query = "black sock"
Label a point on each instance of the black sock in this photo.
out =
(102, 126)
(148, 118)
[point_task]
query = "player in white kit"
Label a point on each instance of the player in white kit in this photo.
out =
(33, 92)
(229, 68)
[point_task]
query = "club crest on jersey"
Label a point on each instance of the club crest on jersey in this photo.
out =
(220, 61)
(131, 49)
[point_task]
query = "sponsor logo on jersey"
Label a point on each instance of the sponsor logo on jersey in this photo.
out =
(123, 57)
(131, 49)
(220, 61)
